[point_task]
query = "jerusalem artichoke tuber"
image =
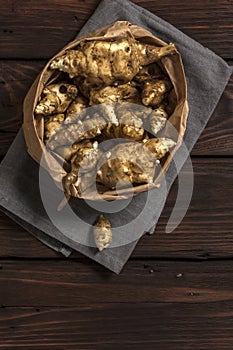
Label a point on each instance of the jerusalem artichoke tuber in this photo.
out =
(76, 132)
(157, 120)
(159, 146)
(129, 126)
(154, 91)
(102, 62)
(112, 94)
(132, 162)
(108, 62)
(129, 163)
(151, 53)
(57, 98)
(52, 124)
(85, 156)
(83, 161)
(76, 110)
(150, 72)
(102, 233)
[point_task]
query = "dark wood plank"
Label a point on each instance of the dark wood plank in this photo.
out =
(217, 137)
(17, 76)
(110, 326)
(16, 242)
(15, 80)
(43, 28)
(76, 282)
(206, 232)
(6, 139)
(29, 29)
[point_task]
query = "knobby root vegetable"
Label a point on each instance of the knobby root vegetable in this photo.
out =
(83, 162)
(129, 126)
(57, 98)
(67, 152)
(142, 112)
(76, 110)
(154, 92)
(157, 120)
(108, 62)
(132, 163)
(76, 132)
(112, 94)
(159, 146)
(150, 53)
(52, 124)
(101, 62)
(85, 157)
(150, 72)
(102, 233)
(126, 163)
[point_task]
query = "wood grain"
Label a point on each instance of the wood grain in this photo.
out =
(29, 29)
(217, 137)
(206, 232)
(176, 290)
(110, 326)
(16, 78)
(76, 282)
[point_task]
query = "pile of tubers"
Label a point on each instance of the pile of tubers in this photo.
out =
(131, 97)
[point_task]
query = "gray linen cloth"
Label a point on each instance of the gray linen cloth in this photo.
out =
(20, 196)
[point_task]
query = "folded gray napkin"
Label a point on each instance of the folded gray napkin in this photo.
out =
(207, 75)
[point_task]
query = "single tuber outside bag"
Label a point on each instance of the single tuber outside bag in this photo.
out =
(34, 127)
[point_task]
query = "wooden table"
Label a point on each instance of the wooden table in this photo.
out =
(176, 291)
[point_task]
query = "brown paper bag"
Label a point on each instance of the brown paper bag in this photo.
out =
(34, 128)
